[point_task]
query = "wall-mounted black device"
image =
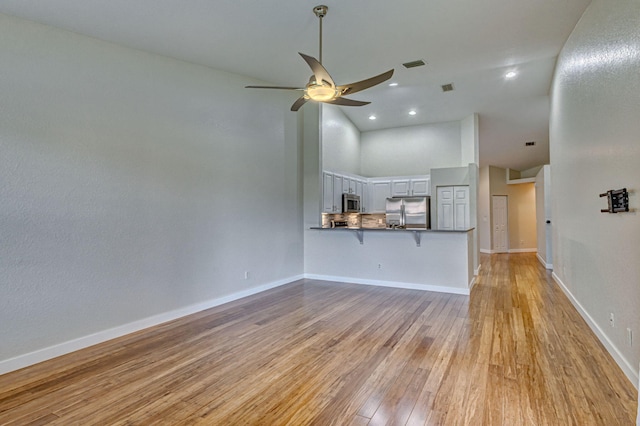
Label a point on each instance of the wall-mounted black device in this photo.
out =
(618, 200)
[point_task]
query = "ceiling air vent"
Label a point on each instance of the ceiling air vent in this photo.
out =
(447, 87)
(414, 64)
(532, 143)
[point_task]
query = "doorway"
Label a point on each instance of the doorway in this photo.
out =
(499, 215)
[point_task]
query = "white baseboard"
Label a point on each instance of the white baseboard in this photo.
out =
(524, 250)
(54, 351)
(477, 271)
(472, 284)
(544, 262)
(622, 362)
(393, 284)
(486, 251)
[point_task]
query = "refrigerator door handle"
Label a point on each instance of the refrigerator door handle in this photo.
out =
(402, 216)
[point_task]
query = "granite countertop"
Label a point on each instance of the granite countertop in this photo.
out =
(388, 229)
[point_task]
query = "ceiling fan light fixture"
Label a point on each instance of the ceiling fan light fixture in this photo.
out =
(321, 92)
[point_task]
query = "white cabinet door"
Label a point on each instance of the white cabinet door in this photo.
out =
(453, 208)
(461, 215)
(345, 184)
(420, 187)
(327, 192)
(337, 193)
(445, 208)
(400, 187)
(364, 198)
(358, 190)
(380, 191)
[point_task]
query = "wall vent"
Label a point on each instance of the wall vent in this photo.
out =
(414, 64)
(447, 87)
(532, 143)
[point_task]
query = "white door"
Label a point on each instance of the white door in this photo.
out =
(445, 213)
(461, 213)
(500, 224)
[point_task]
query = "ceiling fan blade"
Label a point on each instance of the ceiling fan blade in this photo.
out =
(319, 71)
(347, 102)
(365, 84)
(298, 103)
(274, 87)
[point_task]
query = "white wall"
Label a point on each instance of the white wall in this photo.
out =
(469, 140)
(595, 146)
(133, 185)
(340, 141)
(411, 150)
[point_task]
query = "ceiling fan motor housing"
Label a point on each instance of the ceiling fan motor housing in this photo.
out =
(321, 11)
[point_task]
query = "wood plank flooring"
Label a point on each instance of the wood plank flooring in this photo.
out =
(513, 353)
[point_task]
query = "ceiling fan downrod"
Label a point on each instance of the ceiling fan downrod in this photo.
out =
(321, 12)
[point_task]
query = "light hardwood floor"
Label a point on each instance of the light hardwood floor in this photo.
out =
(513, 353)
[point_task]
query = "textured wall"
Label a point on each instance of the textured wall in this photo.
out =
(133, 184)
(410, 150)
(595, 146)
(340, 142)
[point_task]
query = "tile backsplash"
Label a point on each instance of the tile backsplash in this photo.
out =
(355, 220)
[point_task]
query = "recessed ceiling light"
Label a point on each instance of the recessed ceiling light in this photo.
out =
(510, 74)
(372, 117)
(393, 84)
(412, 112)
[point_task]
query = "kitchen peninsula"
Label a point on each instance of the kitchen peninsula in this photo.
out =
(436, 261)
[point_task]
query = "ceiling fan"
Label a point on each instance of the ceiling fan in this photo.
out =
(321, 87)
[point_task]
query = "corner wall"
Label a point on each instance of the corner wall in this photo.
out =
(595, 146)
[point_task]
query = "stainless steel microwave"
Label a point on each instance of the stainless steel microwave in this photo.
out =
(350, 203)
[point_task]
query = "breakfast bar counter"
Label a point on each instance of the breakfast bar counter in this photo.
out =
(436, 260)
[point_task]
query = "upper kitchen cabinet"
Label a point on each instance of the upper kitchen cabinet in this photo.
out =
(420, 186)
(328, 206)
(380, 191)
(400, 188)
(413, 186)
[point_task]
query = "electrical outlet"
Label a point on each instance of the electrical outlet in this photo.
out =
(629, 337)
(612, 320)
(246, 275)
(379, 265)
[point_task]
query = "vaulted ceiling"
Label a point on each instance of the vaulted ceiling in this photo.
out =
(471, 44)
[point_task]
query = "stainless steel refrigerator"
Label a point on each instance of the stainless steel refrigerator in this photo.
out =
(408, 212)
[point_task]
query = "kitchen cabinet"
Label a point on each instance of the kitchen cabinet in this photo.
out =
(332, 187)
(400, 188)
(380, 191)
(338, 190)
(373, 192)
(453, 208)
(420, 186)
(327, 193)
